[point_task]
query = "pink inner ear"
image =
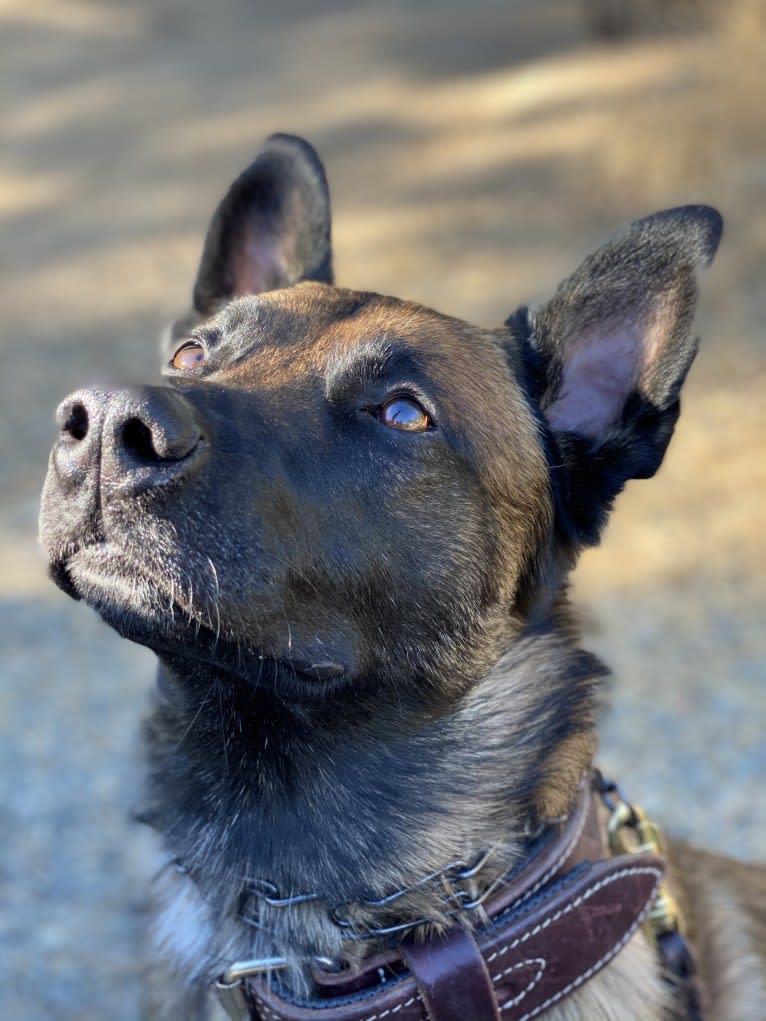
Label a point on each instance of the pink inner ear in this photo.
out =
(602, 368)
(258, 264)
(659, 327)
(267, 254)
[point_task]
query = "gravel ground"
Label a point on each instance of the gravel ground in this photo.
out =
(476, 151)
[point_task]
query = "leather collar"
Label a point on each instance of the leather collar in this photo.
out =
(556, 921)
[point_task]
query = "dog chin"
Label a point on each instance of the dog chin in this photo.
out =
(139, 610)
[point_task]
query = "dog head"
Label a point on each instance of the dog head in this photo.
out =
(336, 493)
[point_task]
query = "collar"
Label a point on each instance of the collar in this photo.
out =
(557, 920)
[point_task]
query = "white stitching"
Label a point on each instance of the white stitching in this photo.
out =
(266, 1011)
(575, 904)
(541, 961)
(263, 1009)
(393, 1010)
(635, 871)
(546, 923)
(272, 1016)
(562, 857)
(590, 972)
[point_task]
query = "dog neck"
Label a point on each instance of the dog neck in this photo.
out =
(346, 804)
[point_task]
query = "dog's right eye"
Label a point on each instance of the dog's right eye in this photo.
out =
(191, 355)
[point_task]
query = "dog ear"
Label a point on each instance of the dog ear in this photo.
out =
(607, 355)
(272, 228)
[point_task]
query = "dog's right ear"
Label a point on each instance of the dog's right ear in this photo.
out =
(271, 230)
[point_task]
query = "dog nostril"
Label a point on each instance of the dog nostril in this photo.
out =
(137, 440)
(76, 423)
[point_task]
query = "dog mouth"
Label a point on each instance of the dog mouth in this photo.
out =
(131, 601)
(58, 572)
(125, 594)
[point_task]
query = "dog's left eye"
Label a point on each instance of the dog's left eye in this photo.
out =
(405, 413)
(191, 355)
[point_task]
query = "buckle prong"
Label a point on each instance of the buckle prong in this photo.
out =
(231, 989)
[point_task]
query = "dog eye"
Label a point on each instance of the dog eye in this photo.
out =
(405, 413)
(191, 355)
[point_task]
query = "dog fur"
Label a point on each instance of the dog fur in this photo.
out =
(368, 667)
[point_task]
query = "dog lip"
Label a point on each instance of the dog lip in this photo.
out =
(323, 671)
(58, 572)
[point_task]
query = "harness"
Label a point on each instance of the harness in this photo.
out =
(553, 922)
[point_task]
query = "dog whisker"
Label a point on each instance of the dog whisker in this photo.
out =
(216, 601)
(193, 721)
(224, 736)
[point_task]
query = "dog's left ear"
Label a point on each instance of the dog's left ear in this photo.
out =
(607, 355)
(271, 229)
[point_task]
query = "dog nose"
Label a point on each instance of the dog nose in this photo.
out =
(137, 438)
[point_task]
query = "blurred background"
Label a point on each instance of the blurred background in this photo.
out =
(476, 152)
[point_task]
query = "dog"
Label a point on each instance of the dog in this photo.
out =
(344, 523)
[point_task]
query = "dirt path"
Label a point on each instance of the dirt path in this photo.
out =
(476, 152)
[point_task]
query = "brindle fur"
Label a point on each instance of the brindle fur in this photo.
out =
(368, 666)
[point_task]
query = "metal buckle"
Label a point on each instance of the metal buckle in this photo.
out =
(231, 989)
(632, 832)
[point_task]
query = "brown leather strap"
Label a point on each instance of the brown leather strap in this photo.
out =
(579, 840)
(571, 936)
(535, 953)
(452, 978)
